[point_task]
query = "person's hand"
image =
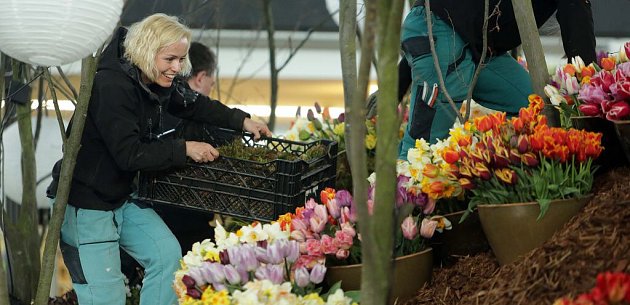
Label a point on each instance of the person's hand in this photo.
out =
(201, 152)
(256, 128)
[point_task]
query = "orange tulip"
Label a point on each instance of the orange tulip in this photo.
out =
(450, 156)
(506, 175)
(608, 63)
(569, 69)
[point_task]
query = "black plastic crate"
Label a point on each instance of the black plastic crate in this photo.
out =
(242, 188)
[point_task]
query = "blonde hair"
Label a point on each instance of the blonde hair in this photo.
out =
(148, 37)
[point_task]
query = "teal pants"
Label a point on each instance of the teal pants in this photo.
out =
(91, 241)
(503, 85)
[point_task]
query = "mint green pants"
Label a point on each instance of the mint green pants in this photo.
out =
(91, 241)
(503, 85)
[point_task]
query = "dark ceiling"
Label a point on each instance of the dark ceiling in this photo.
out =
(611, 16)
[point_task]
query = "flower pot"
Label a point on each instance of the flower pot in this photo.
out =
(622, 129)
(466, 238)
(411, 272)
(613, 154)
(512, 229)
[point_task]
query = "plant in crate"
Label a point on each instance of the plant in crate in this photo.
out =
(258, 262)
(522, 160)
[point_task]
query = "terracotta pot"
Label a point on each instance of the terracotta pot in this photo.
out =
(613, 155)
(411, 272)
(512, 229)
(466, 238)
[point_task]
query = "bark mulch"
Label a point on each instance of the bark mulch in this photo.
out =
(594, 241)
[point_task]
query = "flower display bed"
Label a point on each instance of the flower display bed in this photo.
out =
(592, 242)
(246, 189)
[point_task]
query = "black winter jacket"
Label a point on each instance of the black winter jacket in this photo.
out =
(119, 138)
(574, 17)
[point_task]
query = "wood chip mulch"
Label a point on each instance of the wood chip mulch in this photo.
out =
(596, 240)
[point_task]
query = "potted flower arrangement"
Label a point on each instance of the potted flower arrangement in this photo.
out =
(257, 263)
(522, 170)
(327, 232)
(595, 98)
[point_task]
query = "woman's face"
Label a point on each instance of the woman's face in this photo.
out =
(169, 62)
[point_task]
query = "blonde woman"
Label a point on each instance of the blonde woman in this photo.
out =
(136, 82)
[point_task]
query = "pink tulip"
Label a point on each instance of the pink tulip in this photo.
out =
(427, 228)
(232, 275)
(428, 209)
(592, 94)
(604, 79)
(334, 209)
(343, 240)
(348, 229)
(328, 244)
(319, 219)
(370, 206)
(298, 236)
(621, 90)
(590, 109)
(314, 247)
(409, 228)
(344, 198)
(342, 254)
(618, 111)
(310, 204)
(572, 85)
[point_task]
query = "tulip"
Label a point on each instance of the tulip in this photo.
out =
(310, 115)
(482, 171)
(314, 247)
(621, 90)
(232, 275)
(590, 109)
(409, 228)
(193, 293)
(427, 228)
(317, 273)
(529, 159)
(318, 108)
(578, 63)
(344, 198)
(302, 277)
(570, 69)
(343, 253)
(450, 156)
(341, 118)
(618, 111)
(506, 175)
(608, 63)
(428, 209)
(275, 253)
(195, 274)
(466, 183)
(572, 85)
(188, 281)
(334, 209)
(624, 52)
(318, 219)
(326, 194)
(292, 251)
(273, 273)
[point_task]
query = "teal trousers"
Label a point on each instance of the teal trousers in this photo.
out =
(91, 241)
(503, 85)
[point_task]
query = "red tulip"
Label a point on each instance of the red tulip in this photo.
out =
(590, 109)
(618, 111)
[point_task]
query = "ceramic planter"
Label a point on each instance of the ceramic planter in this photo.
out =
(411, 272)
(512, 229)
(466, 238)
(622, 129)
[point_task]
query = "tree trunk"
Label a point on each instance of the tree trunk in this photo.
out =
(348, 48)
(88, 69)
(272, 62)
(22, 236)
(4, 288)
(535, 55)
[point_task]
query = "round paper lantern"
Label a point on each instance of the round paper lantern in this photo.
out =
(55, 32)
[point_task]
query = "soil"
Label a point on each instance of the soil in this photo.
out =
(594, 241)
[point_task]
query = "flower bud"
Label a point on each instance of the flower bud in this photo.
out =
(302, 277)
(409, 228)
(317, 273)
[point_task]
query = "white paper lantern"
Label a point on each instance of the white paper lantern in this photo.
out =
(55, 32)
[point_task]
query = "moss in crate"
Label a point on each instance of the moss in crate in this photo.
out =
(236, 149)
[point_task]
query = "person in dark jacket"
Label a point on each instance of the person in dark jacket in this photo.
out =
(503, 85)
(136, 82)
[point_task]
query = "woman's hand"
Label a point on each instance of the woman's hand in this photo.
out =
(201, 152)
(256, 128)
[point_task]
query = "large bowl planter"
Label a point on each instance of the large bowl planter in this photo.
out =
(411, 272)
(466, 238)
(513, 229)
(613, 154)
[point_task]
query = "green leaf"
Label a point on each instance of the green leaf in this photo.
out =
(355, 295)
(544, 206)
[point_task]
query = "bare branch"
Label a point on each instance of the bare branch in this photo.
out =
(68, 83)
(482, 60)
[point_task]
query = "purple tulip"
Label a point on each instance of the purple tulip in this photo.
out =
(188, 281)
(195, 274)
(232, 275)
(344, 198)
(318, 108)
(293, 251)
(261, 255)
(219, 287)
(302, 278)
(275, 253)
(592, 94)
(193, 293)
(319, 219)
(212, 272)
(334, 209)
(224, 257)
(273, 273)
(341, 118)
(310, 115)
(317, 273)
